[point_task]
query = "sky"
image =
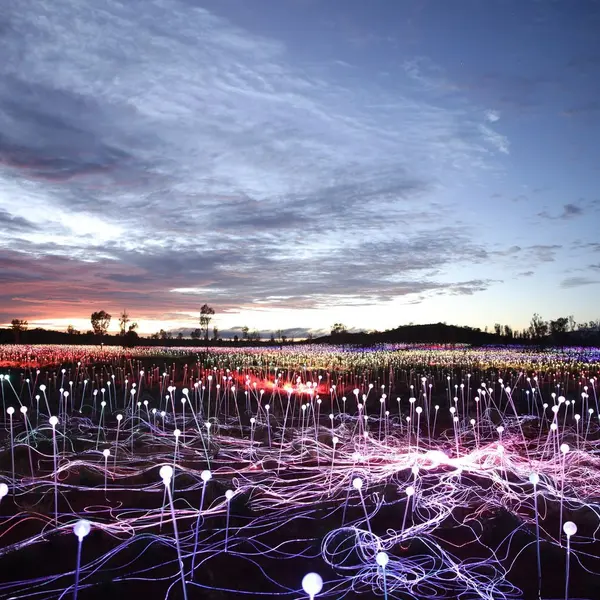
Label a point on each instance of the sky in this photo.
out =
(296, 163)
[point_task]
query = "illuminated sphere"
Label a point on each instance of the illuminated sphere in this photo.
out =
(177, 433)
(185, 391)
(570, 528)
(561, 399)
(437, 407)
(415, 469)
(23, 410)
(10, 410)
(106, 453)
(103, 404)
(331, 416)
(335, 440)
(81, 529)
(53, 421)
(3, 490)
(312, 584)
(166, 473)
(205, 476)
(553, 426)
(419, 410)
(410, 490)
(42, 388)
(267, 407)
(119, 417)
(229, 494)
(534, 478)
(472, 421)
(382, 559)
(564, 448)
(500, 429)
(357, 483)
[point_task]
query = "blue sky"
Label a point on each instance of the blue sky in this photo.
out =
(301, 162)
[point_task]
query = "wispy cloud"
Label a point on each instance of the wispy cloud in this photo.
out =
(569, 211)
(572, 282)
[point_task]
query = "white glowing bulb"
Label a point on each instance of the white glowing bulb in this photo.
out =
(534, 478)
(53, 421)
(570, 528)
(106, 453)
(382, 559)
(357, 483)
(10, 410)
(229, 495)
(81, 529)
(166, 473)
(205, 476)
(312, 584)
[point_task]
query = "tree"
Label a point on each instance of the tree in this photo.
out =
(538, 327)
(508, 332)
(215, 333)
(245, 330)
(123, 320)
(255, 336)
(280, 335)
(165, 335)
(100, 322)
(18, 326)
(338, 329)
(196, 334)
(497, 329)
(180, 336)
(206, 315)
(72, 331)
(558, 330)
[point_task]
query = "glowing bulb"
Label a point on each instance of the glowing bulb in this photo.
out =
(205, 476)
(534, 478)
(106, 453)
(357, 483)
(3, 490)
(10, 410)
(53, 421)
(229, 495)
(166, 474)
(570, 528)
(81, 529)
(382, 559)
(312, 584)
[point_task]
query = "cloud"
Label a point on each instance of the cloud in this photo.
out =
(569, 211)
(588, 108)
(572, 282)
(492, 116)
(180, 152)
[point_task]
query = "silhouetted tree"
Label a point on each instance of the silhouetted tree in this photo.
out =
(215, 333)
(123, 320)
(538, 327)
(100, 322)
(180, 336)
(18, 326)
(338, 329)
(196, 334)
(558, 330)
(206, 315)
(245, 330)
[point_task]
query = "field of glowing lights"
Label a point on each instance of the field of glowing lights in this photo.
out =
(408, 472)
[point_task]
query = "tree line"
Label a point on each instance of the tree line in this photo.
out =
(558, 332)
